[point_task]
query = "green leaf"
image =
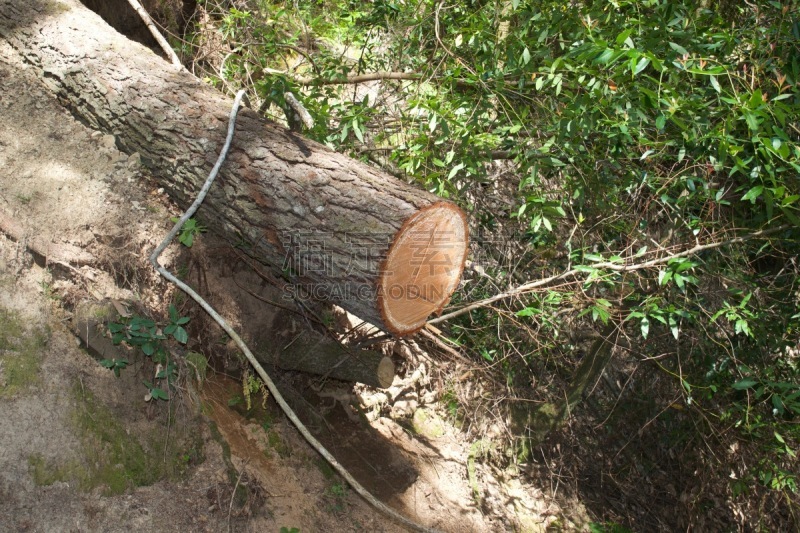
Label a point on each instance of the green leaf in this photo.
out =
(753, 193)
(526, 56)
(158, 394)
(180, 335)
(661, 121)
(645, 327)
(357, 131)
(745, 383)
(678, 48)
(752, 121)
(673, 327)
(715, 84)
(454, 170)
(756, 99)
(148, 348)
(623, 37)
(605, 56)
(641, 65)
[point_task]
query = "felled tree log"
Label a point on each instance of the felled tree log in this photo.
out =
(338, 229)
(295, 347)
(292, 347)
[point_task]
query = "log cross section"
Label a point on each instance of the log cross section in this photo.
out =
(336, 228)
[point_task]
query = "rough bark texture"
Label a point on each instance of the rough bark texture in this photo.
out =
(296, 347)
(321, 218)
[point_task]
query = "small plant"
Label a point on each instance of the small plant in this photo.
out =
(137, 331)
(339, 493)
(47, 290)
(290, 530)
(339, 490)
(25, 199)
(114, 364)
(252, 385)
(191, 229)
(198, 363)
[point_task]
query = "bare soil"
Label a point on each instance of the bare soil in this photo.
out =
(82, 450)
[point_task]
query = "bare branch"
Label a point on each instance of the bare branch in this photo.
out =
(617, 267)
(156, 34)
(360, 78)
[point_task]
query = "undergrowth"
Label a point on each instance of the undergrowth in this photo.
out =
(639, 159)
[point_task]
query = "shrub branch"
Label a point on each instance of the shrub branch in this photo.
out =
(617, 267)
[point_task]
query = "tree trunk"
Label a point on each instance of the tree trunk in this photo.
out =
(296, 347)
(338, 229)
(293, 347)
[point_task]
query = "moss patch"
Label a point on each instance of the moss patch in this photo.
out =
(116, 460)
(278, 444)
(427, 424)
(47, 472)
(113, 458)
(20, 353)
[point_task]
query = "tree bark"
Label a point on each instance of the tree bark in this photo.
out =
(299, 348)
(338, 229)
(293, 348)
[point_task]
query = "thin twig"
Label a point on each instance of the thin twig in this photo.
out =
(233, 494)
(617, 267)
(248, 354)
(156, 34)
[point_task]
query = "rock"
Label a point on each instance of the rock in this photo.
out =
(403, 409)
(428, 424)
(109, 141)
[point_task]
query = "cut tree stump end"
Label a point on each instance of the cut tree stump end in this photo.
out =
(422, 267)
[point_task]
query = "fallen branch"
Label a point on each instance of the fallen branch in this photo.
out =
(617, 267)
(156, 34)
(302, 113)
(354, 79)
(248, 354)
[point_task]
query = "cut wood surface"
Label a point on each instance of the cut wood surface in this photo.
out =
(338, 229)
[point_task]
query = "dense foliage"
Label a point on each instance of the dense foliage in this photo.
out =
(640, 158)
